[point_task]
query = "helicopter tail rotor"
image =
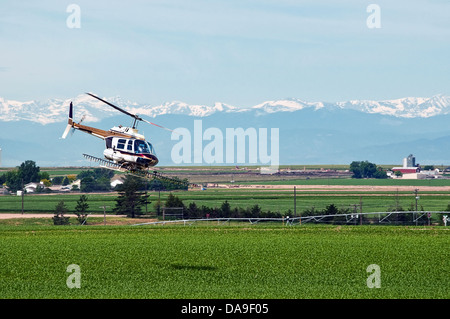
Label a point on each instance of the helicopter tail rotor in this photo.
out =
(69, 123)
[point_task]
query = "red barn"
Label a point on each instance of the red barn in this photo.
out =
(406, 170)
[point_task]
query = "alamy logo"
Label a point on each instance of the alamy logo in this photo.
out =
(73, 21)
(374, 279)
(374, 19)
(235, 146)
(74, 280)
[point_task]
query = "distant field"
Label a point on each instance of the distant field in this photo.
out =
(354, 181)
(248, 262)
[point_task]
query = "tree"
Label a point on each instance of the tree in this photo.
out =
(2, 179)
(98, 179)
(173, 201)
(131, 198)
(173, 204)
(87, 184)
(366, 169)
(26, 173)
(29, 172)
(355, 169)
(193, 211)
(330, 210)
(81, 209)
(380, 174)
(60, 210)
(255, 210)
(65, 181)
(13, 180)
(398, 173)
(47, 183)
(225, 209)
(44, 175)
(57, 180)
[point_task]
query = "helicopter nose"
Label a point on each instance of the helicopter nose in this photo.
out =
(148, 160)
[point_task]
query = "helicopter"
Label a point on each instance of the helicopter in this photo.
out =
(126, 149)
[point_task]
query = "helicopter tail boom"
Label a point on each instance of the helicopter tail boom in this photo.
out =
(71, 124)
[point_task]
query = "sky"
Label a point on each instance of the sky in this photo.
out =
(237, 52)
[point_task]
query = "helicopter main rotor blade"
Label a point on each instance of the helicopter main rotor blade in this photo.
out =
(168, 129)
(136, 117)
(116, 107)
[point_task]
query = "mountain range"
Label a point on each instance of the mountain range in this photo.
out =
(55, 110)
(309, 132)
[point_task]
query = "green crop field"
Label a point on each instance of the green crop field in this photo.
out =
(268, 199)
(233, 260)
(247, 261)
(47, 203)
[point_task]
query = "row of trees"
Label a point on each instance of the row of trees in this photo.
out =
(132, 197)
(80, 210)
(224, 211)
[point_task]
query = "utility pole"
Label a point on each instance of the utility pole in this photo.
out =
(23, 193)
(104, 213)
(396, 201)
(295, 202)
(360, 210)
(355, 212)
(416, 198)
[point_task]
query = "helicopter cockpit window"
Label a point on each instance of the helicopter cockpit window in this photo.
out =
(121, 143)
(152, 151)
(130, 145)
(141, 147)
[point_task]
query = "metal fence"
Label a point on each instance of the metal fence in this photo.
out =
(393, 218)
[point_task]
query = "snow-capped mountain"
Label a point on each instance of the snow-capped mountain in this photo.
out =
(182, 108)
(92, 110)
(51, 111)
(408, 107)
(287, 105)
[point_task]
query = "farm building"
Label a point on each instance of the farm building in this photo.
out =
(406, 170)
(409, 166)
(31, 187)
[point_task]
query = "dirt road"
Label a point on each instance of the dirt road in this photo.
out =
(10, 216)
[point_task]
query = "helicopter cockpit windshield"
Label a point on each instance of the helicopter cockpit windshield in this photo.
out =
(142, 147)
